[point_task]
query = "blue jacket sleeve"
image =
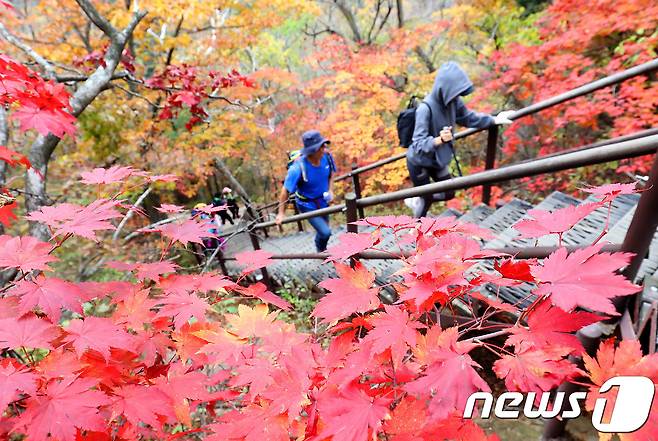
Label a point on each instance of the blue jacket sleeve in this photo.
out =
(422, 140)
(292, 178)
(471, 119)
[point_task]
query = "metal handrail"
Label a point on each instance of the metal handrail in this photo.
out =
(617, 78)
(596, 155)
(517, 252)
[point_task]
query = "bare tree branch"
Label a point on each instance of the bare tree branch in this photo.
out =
(400, 11)
(130, 213)
(350, 19)
(383, 22)
(45, 64)
(374, 20)
(96, 18)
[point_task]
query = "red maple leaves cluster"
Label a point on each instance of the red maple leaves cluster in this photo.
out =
(188, 88)
(42, 105)
(149, 357)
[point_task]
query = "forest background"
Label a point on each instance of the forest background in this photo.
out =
(202, 85)
(169, 99)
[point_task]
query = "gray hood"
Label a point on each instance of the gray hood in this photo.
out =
(447, 109)
(450, 82)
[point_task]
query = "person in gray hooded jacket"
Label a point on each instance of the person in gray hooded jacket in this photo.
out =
(431, 149)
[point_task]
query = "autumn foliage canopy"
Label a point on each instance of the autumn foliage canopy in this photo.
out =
(150, 356)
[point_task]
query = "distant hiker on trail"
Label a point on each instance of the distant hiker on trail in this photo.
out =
(231, 201)
(431, 150)
(218, 201)
(211, 242)
(309, 178)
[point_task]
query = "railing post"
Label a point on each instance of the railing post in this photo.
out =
(351, 213)
(300, 226)
(357, 187)
(351, 217)
(222, 262)
(261, 218)
(256, 244)
(490, 161)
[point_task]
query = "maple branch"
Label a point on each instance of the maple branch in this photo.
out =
(45, 64)
(79, 78)
(96, 18)
(137, 95)
(130, 213)
(488, 336)
(374, 20)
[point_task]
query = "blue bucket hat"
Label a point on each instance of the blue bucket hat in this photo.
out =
(312, 142)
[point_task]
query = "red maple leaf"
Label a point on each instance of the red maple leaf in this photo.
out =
(252, 423)
(45, 120)
(77, 220)
(456, 428)
(202, 283)
(98, 334)
(514, 270)
(535, 370)
(583, 278)
(25, 253)
(14, 378)
(13, 158)
(407, 419)
(27, 331)
(180, 385)
(351, 244)
(394, 222)
(64, 406)
(626, 359)
(557, 221)
(253, 260)
(182, 306)
(450, 373)
(291, 383)
(351, 415)
(393, 330)
(260, 291)
(50, 294)
(551, 326)
(351, 293)
(7, 215)
(169, 208)
(135, 309)
(145, 270)
(611, 191)
(141, 404)
(189, 230)
(107, 176)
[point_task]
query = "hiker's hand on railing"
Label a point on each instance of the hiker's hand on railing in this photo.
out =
(503, 117)
(279, 218)
(444, 136)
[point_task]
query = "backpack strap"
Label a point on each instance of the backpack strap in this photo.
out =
(303, 176)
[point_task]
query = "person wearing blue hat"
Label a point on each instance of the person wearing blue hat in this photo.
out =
(309, 178)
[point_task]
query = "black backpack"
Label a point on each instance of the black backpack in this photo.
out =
(407, 122)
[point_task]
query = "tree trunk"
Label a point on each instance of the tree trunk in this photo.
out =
(44, 146)
(221, 166)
